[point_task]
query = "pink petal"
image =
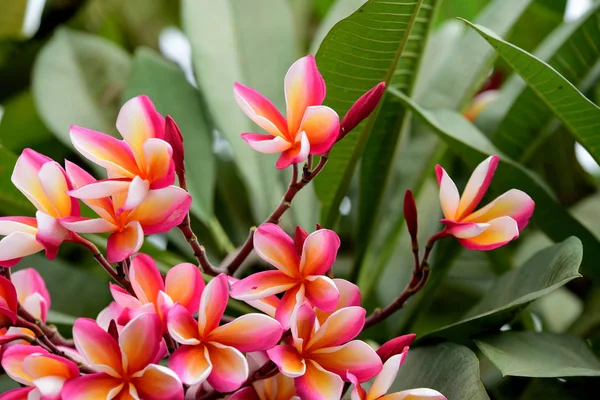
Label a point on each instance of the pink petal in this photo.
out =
(289, 362)
(94, 386)
(449, 197)
(293, 298)
(40, 366)
(230, 369)
(501, 231)
(322, 292)
(140, 342)
(139, 121)
(465, 230)
(27, 282)
(162, 209)
(86, 225)
(55, 185)
(8, 300)
(17, 245)
(156, 382)
(349, 293)
(386, 377)
(113, 154)
(192, 364)
(184, 284)
(12, 361)
(397, 345)
(514, 203)
(159, 163)
(124, 244)
(145, 278)
(260, 110)
(300, 236)
(136, 193)
(50, 233)
(358, 393)
(212, 304)
(477, 186)
(319, 252)
(17, 394)
(97, 347)
(355, 357)
(322, 126)
(415, 394)
(123, 298)
(250, 332)
(266, 143)
(304, 87)
(36, 306)
(342, 326)
(79, 178)
(302, 325)
(275, 246)
(247, 393)
(26, 178)
(182, 326)
(319, 384)
(278, 387)
(297, 154)
(109, 313)
(101, 189)
(262, 284)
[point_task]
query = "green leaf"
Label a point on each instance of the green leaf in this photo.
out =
(580, 115)
(472, 146)
(12, 202)
(358, 53)
(78, 79)
(546, 271)
(172, 94)
(340, 10)
(574, 389)
(539, 354)
(252, 42)
(16, 21)
(450, 369)
(59, 318)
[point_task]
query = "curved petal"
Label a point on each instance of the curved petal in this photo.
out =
(109, 313)
(342, 326)
(125, 243)
(36, 305)
(113, 154)
(397, 345)
(17, 394)
(230, 369)
(386, 377)
(49, 387)
(50, 233)
(26, 178)
(355, 357)
(136, 193)
(287, 359)
(291, 299)
(93, 386)
(322, 126)
(8, 299)
(514, 203)
(145, 278)
(212, 304)
(415, 394)
(56, 187)
(319, 252)
(182, 326)
(79, 178)
(296, 154)
(9, 225)
(276, 247)
(358, 393)
(449, 197)
(501, 231)
(302, 325)
(465, 230)
(322, 292)
(140, 342)
(27, 282)
(192, 364)
(261, 285)
(16, 246)
(319, 384)
(97, 347)
(129, 314)
(250, 332)
(86, 225)
(162, 209)
(349, 293)
(156, 382)
(266, 144)
(101, 189)
(304, 87)
(184, 284)
(123, 298)
(13, 358)
(260, 110)
(159, 162)
(139, 121)
(478, 184)
(42, 365)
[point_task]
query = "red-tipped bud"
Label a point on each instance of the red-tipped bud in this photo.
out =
(299, 238)
(410, 213)
(319, 226)
(395, 346)
(361, 109)
(175, 139)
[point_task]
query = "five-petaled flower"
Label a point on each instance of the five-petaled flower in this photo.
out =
(310, 127)
(493, 225)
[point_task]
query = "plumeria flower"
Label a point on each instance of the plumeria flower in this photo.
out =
(300, 265)
(44, 182)
(127, 366)
(278, 387)
(320, 355)
(349, 297)
(310, 127)
(183, 285)
(42, 373)
(384, 381)
(160, 210)
(143, 158)
(493, 225)
(210, 352)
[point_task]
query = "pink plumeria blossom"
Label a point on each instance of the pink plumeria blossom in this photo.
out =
(183, 285)
(384, 381)
(128, 367)
(493, 225)
(310, 127)
(210, 352)
(143, 159)
(160, 211)
(8, 303)
(320, 355)
(301, 264)
(278, 387)
(45, 183)
(32, 292)
(42, 373)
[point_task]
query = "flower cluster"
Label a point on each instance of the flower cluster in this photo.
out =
(168, 337)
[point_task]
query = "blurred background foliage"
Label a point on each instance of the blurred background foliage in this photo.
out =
(511, 323)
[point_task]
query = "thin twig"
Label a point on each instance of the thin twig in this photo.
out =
(199, 251)
(49, 331)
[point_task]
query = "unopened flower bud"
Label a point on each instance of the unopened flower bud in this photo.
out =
(361, 109)
(395, 346)
(410, 213)
(175, 139)
(299, 238)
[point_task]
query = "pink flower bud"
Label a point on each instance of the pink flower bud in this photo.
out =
(361, 109)
(175, 139)
(410, 213)
(299, 238)
(395, 346)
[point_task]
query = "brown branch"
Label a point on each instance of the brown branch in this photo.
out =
(199, 251)
(49, 331)
(266, 371)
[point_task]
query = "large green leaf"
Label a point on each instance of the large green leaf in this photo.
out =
(253, 42)
(172, 94)
(539, 354)
(340, 10)
(12, 202)
(451, 369)
(547, 270)
(578, 113)
(472, 146)
(78, 79)
(359, 52)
